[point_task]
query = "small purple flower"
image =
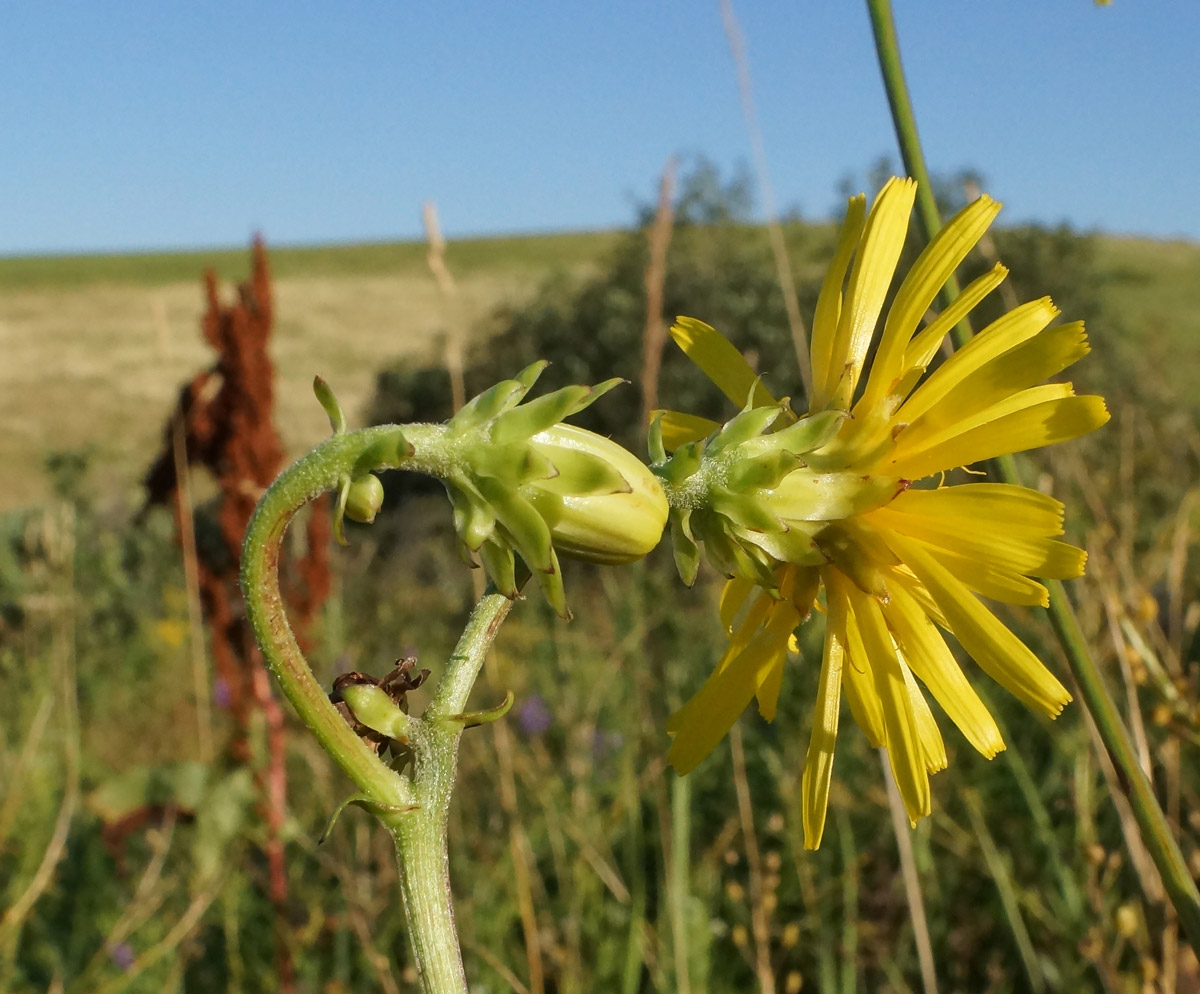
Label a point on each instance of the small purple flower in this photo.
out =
(122, 955)
(533, 716)
(221, 695)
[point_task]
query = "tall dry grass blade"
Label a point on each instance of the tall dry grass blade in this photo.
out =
(654, 333)
(783, 266)
(492, 960)
(912, 879)
(760, 924)
(1113, 614)
(1002, 876)
(1181, 538)
(452, 352)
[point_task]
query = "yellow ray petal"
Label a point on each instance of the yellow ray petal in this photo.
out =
(775, 617)
(1003, 656)
(1044, 423)
(856, 673)
(679, 428)
(818, 762)
(829, 306)
(1015, 539)
(709, 715)
(870, 279)
(1008, 506)
(925, 435)
(905, 751)
(1005, 376)
(733, 598)
(720, 361)
(733, 654)
(755, 618)
(934, 665)
(925, 345)
(933, 747)
(805, 588)
(704, 720)
(916, 590)
(779, 632)
(927, 276)
(1015, 327)
(768, 691)
(989, 580)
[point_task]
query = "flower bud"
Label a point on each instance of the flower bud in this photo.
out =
(604, 506)
(364, 498)
(522, 483)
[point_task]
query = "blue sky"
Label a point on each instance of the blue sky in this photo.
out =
(138, 125)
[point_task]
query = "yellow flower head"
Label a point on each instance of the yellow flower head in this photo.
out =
(789, 507)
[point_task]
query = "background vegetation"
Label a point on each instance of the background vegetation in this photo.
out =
(582, 864)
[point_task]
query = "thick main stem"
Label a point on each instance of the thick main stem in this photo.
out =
(415, 809)
(421, 852)
(421, 839)
(1156, 830)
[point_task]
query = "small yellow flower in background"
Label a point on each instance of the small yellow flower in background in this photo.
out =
(789, 508)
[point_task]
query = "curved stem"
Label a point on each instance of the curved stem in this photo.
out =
(1156, 832)
(318, 471)
(415, 807)
(421, 839)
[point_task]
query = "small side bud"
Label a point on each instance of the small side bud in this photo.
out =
(364, 499)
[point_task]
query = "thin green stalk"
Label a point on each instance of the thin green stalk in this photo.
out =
(1155, 829)
(887, 48)
(635, 872)
(415, 807)
(679, 889)
(1002, 876)
(849, 903)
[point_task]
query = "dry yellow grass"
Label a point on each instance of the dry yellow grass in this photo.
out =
(99, 365)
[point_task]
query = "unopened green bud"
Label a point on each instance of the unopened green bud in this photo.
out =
(364, 499)
(604, 505)
(373, 707)
(522, 483)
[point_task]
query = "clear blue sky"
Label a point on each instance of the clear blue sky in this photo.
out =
(139, 125)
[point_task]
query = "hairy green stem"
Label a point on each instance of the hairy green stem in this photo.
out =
(414, 807)
(421, 842)
(1156, 832)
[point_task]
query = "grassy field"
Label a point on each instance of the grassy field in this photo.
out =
(96, 347)
(580, 862)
